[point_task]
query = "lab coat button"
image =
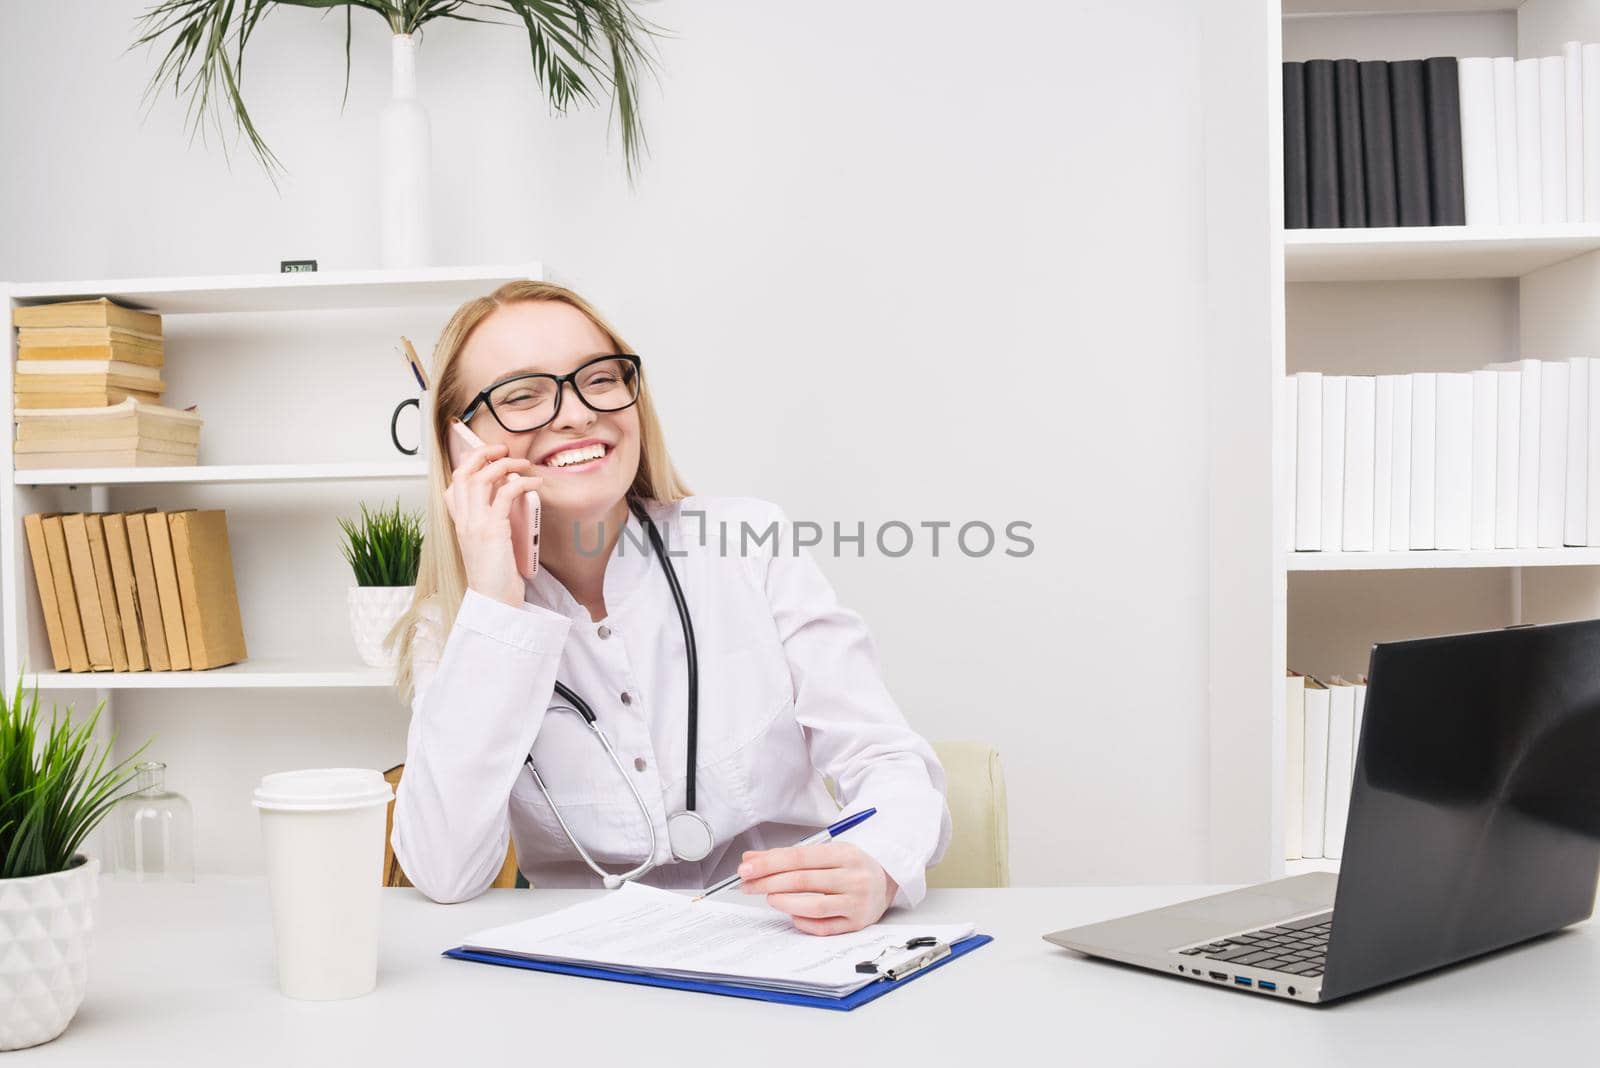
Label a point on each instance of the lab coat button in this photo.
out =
(604, 631)
(627, 698)
(639, 764)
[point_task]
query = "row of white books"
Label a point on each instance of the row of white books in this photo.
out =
(1507, 457)
(1322, 729)
(1530, 137)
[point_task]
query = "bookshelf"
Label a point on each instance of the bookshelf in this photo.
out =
(1372, 302)
(242, 347)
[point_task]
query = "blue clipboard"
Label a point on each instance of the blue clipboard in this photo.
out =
(870, 992)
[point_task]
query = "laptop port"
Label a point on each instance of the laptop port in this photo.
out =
(1242, 981)
(1267, 984)
(1221, 977)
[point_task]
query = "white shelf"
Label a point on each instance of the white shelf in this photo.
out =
(1305, 867)
(318, 290)
(1424, 559)
(1431, 252)
(1395, 7)
(255, 673)
(219, 473)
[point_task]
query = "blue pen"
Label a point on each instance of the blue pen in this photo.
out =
(827, 834)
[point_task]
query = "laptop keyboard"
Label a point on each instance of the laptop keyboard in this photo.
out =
(1299, 947)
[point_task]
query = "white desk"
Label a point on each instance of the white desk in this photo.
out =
(183, 975)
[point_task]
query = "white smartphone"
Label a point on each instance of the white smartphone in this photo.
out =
(524, 510)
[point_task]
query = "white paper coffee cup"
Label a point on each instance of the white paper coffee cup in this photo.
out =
(323, 832)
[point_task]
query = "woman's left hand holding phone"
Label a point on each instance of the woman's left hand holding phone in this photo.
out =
(479, 500)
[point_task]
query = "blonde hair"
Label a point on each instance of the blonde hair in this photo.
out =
(441, 574)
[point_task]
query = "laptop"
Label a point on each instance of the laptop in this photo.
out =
(1474, 824)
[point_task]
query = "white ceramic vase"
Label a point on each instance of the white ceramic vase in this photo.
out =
(373, 610)
(405, 158)
(45, 921)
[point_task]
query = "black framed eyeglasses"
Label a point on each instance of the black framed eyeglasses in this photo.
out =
(526, 402)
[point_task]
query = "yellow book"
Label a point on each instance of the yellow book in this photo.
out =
(74, 445)
(127, 419)
(55, 540)
(27, 370)
(84, 398)
(100, 311)
(205, 582)
(122, 581)
(95, 524)
(167, 584)
(88, 595)
(151, 627)
(42, 461)
(33, 526)
(68, 383)
(129, 350)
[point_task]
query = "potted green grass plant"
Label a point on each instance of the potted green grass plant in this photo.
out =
(383, 549)
(54, 789)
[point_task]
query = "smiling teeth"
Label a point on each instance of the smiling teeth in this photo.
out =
(577, 456)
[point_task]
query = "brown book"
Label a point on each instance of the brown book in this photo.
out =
(151, 627)
(55, 540)
(116, 528)
(36, 461)
(205, 582)
(88, 595)
(95, 524)
(33, 525)
(155, 523)
(119, 347)
(100, 311)
(131, 418)
(84, 398)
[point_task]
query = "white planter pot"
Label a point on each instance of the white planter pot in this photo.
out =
(45, 922)
(405, 159)
(373, 610)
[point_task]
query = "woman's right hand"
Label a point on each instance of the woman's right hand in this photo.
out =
(479, 501)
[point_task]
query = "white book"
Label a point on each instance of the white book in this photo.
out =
(1553, 136)
(1452, 461)
(1593, 451)
(1577, 497)
(1314, 770)
(1479, 159)
(1507, 164)
(1528, 457)
(1341, 746)
(1485, 466)
(1553, 378)
(1508, 434)
(1291, 442)
(1308, 462)
(1400, 479)
(1361, 711)
(1382, 460)
(1572, 61)
(1424, 443)
(1530, 167)
(1333, 389)
(1360, 416)
(1591, 133)
(1294, 759)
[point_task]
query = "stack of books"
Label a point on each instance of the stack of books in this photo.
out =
(1443, 142)
(1322, 728)
(86, 354)
(132, 433)
(136, 591)
(1507, 457)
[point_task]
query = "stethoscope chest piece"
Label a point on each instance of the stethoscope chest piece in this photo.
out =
(690, 836)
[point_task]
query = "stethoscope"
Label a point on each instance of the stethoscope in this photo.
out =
(688, 833)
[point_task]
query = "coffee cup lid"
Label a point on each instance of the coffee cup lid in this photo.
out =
(323, 789)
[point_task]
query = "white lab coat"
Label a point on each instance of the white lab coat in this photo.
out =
(789, 691)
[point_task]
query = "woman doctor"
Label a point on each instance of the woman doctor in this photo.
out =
(788, 684)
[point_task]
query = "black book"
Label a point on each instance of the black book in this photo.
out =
(1447, 187)
(1377, 139)
(1322, 144)
(1410, 113)
(1296, 210)
(1347, 108)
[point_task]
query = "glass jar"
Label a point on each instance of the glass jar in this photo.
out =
(153, 831)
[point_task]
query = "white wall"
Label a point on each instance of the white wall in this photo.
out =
(953, 268)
